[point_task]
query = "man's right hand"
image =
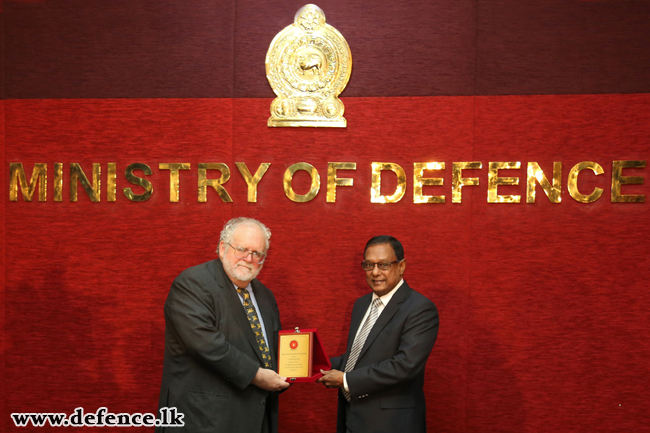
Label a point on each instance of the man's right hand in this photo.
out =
(269, 380)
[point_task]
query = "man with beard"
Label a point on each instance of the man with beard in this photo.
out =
(221, 327)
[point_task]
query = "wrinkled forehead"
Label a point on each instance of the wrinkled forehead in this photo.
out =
(249, 236)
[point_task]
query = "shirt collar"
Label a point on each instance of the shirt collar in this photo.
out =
(247, 288)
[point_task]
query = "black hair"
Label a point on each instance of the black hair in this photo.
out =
(384, 239)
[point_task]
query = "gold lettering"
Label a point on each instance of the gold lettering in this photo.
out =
(252, 181)
(217, 184)
(77, 175)
(174, 177)
(333, 181)
(494, 181)
(419, 181)
(535, 176)
(58, 181)
(288, 178)
(458, 182)
(17, 176)
(375, 190)
(135, 180)
(618, 179)
(535, 173)
(572, 182)
(111, 182)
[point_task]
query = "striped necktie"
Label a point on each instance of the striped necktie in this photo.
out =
(361, 339)
(255, 326)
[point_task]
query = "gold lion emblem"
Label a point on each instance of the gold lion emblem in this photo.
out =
(308, 65)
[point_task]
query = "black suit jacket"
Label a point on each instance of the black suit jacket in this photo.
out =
(211, 355)
(386, 385)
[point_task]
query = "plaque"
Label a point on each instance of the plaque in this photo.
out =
(308, 65)
(301, 355)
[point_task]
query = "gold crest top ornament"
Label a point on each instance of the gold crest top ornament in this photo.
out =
(308, 65)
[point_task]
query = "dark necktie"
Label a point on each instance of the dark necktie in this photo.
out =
(251, 313)
(360, 340)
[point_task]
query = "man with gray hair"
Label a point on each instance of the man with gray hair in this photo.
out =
(221, 336)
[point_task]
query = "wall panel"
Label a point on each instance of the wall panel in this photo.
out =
(543, 323)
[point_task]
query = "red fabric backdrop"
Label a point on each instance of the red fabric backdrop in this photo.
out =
(543, 307)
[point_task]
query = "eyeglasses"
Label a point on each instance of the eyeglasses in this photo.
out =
(242, 253)
(383, 266)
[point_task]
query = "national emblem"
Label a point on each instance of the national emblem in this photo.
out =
(308, 65)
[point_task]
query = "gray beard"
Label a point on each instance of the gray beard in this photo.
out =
(240, 273)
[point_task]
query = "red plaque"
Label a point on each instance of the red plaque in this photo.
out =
(301, 355)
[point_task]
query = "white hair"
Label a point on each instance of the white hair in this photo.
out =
(232, 225)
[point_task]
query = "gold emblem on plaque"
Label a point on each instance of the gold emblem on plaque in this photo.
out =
(308, 65)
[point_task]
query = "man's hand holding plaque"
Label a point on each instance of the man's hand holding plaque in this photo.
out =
(331, 378)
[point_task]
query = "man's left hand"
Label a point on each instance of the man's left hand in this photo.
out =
(331, 378)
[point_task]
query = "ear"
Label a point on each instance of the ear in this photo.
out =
(222, 249)
(402, 266)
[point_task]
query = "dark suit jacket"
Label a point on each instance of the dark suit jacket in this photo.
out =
(211, 355)
(386, 385)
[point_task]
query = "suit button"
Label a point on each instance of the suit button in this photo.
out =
(262, 403)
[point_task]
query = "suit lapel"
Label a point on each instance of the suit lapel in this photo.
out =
(388, 313)
(235, 306)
